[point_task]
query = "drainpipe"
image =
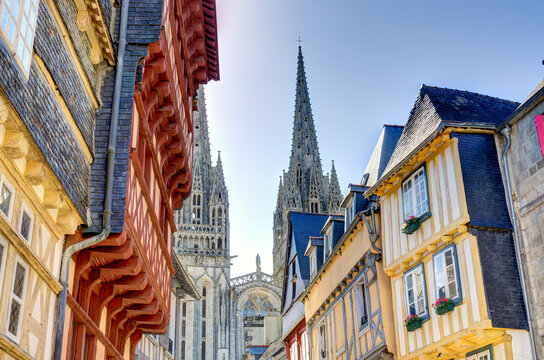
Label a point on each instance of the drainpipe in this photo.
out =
(505, 132)
(106, 215)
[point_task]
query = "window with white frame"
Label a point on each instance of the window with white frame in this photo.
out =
(322, 338)
(415, 197)
(26, 222)
(18, 23)
(414, 292)
(294, 350)
(313, 263)
(7, 196)
(3, 255)
(446, 274)
(481, 354)
(17, 299)
(362, 304)
(304, 346)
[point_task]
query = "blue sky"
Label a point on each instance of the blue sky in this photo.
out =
(365, 62)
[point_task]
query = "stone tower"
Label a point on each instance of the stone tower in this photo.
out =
(203, 244)
(303, 187)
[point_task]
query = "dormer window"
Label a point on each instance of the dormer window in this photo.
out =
(415, 196)
(313, 264)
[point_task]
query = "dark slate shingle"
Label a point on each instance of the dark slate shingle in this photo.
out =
(435, 105)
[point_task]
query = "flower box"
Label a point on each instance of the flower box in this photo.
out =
(415, 324)
(410, 228)
(443, 306)
(412, 322)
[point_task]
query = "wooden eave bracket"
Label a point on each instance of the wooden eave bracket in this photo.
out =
(91, 21)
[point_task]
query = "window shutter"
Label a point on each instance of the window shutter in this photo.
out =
(539, 122)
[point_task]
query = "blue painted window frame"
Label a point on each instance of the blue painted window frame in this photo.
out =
(459, 299)
(476, 352)
(406, 306)
(424, 216)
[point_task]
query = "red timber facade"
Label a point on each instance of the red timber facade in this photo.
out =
(296, 342)
(121, 287)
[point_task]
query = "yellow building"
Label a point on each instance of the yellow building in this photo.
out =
(35, 213)
(348, 301)
(444, 178)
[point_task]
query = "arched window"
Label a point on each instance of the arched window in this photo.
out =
(203, 350)
(183, 328)
(299, 175)
(198, 200)
(213, 245)
(204, 292)
(219, 243)
(183, 350)
(203, 329)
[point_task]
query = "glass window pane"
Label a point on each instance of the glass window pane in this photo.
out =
(14, 312)
(18, 281)
(5, 199)
(26, 222)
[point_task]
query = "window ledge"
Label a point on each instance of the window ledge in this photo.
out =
(414, 256)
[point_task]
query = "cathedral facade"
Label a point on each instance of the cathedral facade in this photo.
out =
(304, 187)
(237, 318)
(233, 316)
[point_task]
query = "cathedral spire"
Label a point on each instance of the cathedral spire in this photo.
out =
(335, 195)
(305, 156)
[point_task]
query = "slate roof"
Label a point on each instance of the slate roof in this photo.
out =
(435, 106)
(304, 225)
(382, 153)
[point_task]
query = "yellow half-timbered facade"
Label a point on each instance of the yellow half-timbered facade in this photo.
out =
(348, 302)
(35, 213)
(447, 239)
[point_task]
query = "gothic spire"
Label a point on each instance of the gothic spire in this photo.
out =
(335, 195)
(202, 153)
(304, 147)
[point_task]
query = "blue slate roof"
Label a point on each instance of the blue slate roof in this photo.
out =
(435, 106)
(382, 153)
(302, 226)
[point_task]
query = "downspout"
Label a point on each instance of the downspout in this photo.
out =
(106, 215)
(505, 132)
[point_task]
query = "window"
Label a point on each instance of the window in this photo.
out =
(446, 274)
(16, 299)
(18, 22)
(415, 197)
(203, 350)
(313, 263)
(183, 350)
(203, 328)
(322, 342)
(481, 354)
(3, 255)
(362, 305)
(184, 309)
(414, 292)
(294, 350)
(304, 346)
(26, 222)
(328, 246)
(183, 328)
(7, 195)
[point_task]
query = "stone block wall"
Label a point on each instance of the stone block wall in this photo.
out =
(527, 176)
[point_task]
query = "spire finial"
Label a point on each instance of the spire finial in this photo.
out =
(299, 40)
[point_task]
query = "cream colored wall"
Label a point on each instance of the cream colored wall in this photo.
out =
(447, 206)
(342, 263)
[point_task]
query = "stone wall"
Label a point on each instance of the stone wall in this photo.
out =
(527, 176)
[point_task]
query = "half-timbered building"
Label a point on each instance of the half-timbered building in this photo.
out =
(302, 228)
(446, 234)
(347, 304)
(121, 287)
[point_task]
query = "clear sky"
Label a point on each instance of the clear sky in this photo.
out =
(365, 62)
